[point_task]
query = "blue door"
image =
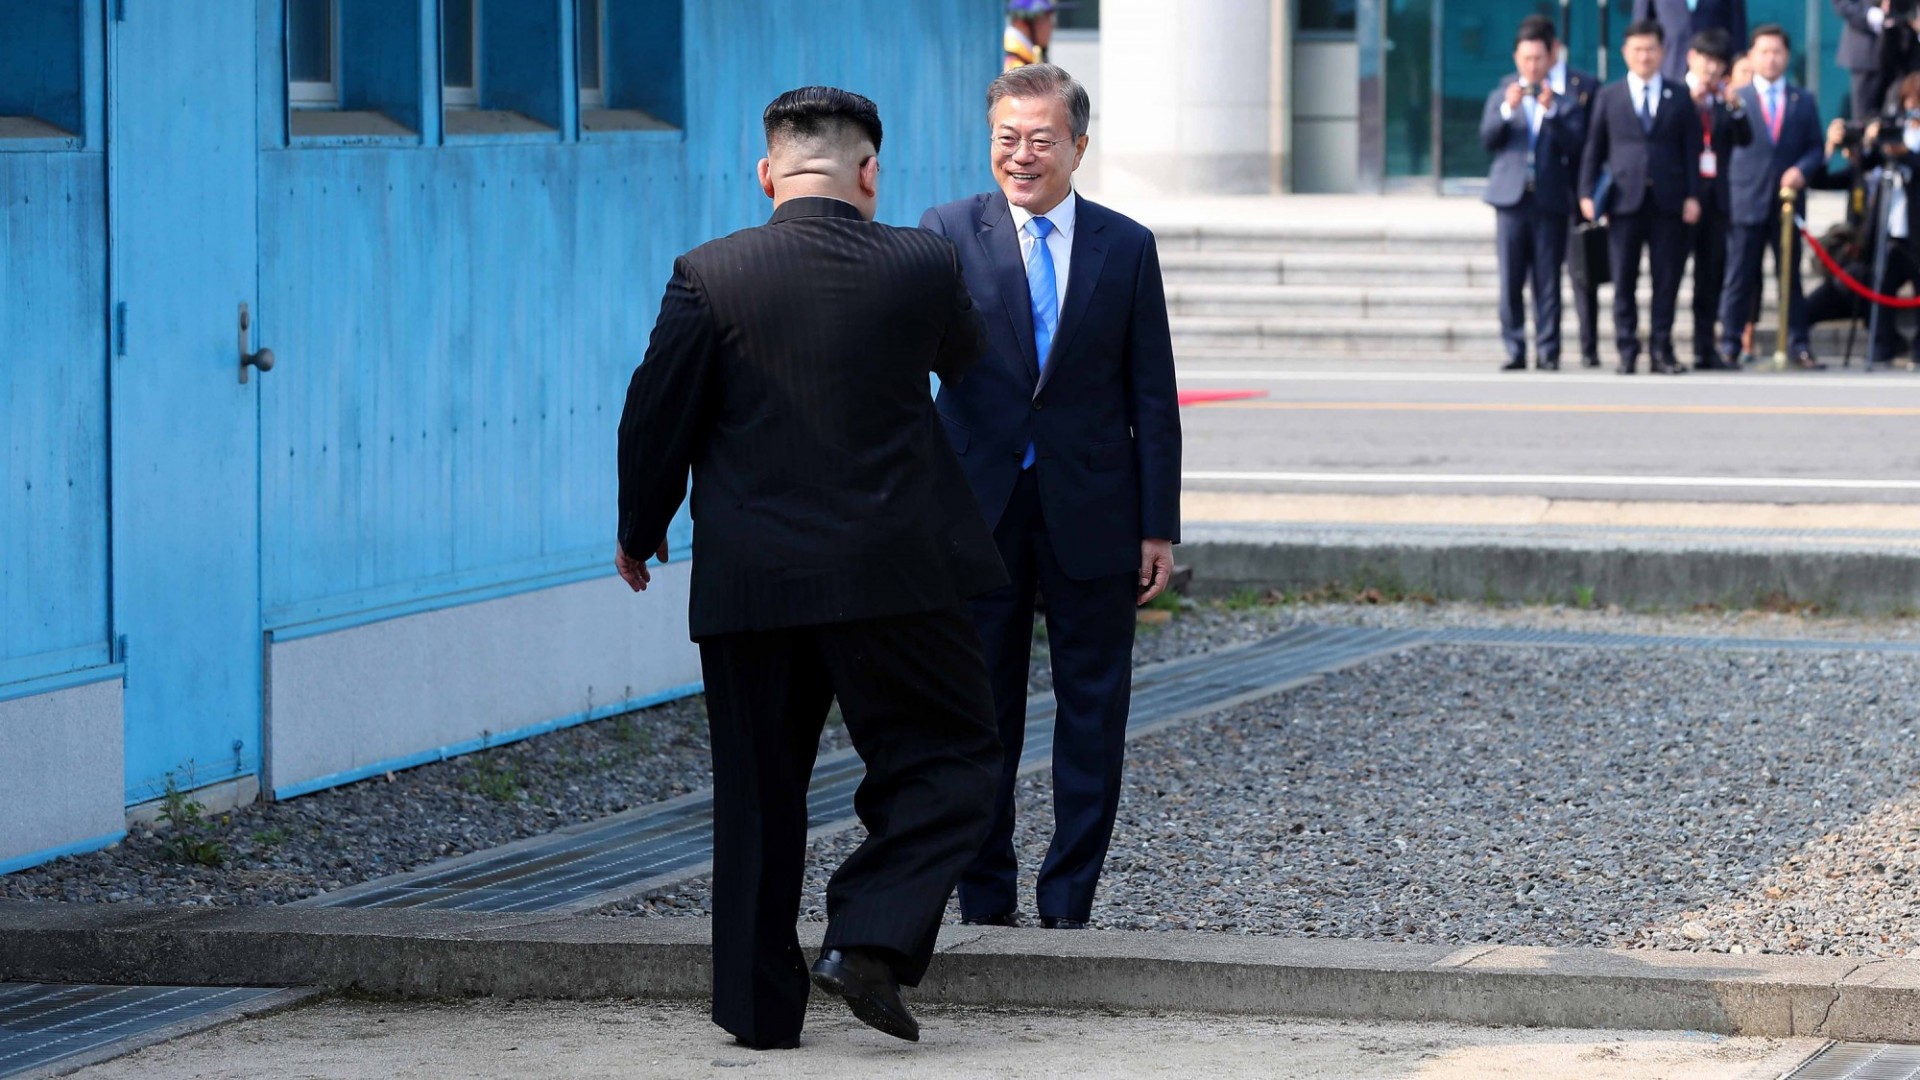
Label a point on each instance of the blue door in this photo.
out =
(182, 161)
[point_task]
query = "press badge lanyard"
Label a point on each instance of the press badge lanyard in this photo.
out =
(1709, 164)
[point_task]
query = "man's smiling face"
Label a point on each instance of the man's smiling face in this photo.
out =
(1035, 179)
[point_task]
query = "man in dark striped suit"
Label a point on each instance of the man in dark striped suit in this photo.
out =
(837, 545)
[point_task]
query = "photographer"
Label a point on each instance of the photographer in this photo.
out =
(1879, 46)
(1890, 151)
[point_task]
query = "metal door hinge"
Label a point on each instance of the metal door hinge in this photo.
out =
(120, 328)
(119, 10)
(120, 649)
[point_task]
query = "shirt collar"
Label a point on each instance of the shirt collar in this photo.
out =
(1637, 84)
(1557, 78)
(1062, 215)
(1761, 86)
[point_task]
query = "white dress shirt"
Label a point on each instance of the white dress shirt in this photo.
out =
(1557, 78)
(1638, 88)
(1763, 87)
(1059, 241)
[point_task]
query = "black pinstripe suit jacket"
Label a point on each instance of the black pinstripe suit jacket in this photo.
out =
(788, 370)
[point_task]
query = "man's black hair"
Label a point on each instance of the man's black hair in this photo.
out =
(1715, 44)
(815, 110)
(1646, 28)
(1535, 28)
(1772, 29)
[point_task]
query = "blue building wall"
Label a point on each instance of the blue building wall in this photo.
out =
(454, 318)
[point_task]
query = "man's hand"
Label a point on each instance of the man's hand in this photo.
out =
(1546, 96)
(1690, 211)
(1703, 93)
(1586, 209)
(1514, 94)
(635, 573)
(1793, 178)
(1156, 568)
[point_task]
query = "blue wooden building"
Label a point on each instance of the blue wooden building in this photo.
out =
(446, 224)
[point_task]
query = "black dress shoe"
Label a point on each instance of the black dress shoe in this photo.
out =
(1518, 363)
(1804, 360)
(1708, 363)
(1005, 919)
(870, 989)
(777, 1044)
(1589, 360)
(1626, 367)
(1668, 366)
(1548, 363)
(1052, 923)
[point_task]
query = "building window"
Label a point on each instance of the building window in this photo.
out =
(1333, 17)
(313, 54)
(590, 26)
(460, 53)
(1084, 17)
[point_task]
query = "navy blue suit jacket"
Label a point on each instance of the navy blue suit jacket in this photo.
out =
(1679, 26)
(1555, 152)
(1105, 417)
(1663, 163)
(1859, 48)
(1753, 175)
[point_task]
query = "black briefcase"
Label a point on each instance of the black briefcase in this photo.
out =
(1590, 261)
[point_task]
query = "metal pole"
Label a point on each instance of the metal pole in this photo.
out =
(1786, 261)
(1566, 25)
(1438, 88)
(1600, 49)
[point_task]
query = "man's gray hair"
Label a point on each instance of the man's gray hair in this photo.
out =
(1045, 80)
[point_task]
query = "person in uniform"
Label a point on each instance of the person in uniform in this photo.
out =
(1029, 31)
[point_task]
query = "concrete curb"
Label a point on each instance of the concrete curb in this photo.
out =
(428, 954)
(1854, 582)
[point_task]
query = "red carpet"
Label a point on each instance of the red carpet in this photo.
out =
(1204, 397)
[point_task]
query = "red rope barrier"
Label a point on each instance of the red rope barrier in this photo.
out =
(1853, 283)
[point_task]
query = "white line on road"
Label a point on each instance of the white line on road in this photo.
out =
(1839, 381)
(1511, 479)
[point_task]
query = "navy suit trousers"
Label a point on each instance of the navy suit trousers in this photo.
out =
(1746, 244)
(1532, 246)
(1664, 238)
(1090, 639)
(1709, 270)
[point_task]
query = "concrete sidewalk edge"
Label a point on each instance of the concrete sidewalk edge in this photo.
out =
(1847, 582)
(433, 954)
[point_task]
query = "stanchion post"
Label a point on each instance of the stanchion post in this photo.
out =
(1786, 260)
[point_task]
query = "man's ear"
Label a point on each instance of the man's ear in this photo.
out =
(1079, 151)
(766, 176)
(870, 177)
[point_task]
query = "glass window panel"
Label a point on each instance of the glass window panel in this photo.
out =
(589, 26)
(1085, 16)
(1408, 88)
(310, 41)
(457, 36)
(1327, 16)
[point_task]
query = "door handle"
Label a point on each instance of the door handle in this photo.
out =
(262, 359)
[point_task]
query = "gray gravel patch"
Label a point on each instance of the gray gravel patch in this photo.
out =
(1692, 800)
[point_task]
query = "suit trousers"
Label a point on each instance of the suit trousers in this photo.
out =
(1741, 291)
(913, 690)
(1090, 641)
(1586, 296)
(1663, 237)
(1889, 344)
(1532, 246)
(1709, 270)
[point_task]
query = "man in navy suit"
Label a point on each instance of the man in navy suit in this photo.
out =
(1534, 138)
(1069, 432)
(1575, 90)
(1724, 126)
(1862, 22)
(1646, 136)
(1682, 19)
(1786, 149)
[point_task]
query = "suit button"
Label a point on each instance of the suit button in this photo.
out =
(1036, 406)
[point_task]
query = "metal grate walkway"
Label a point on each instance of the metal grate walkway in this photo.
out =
(44, 1025)
(587, 866)
(1861, 1061)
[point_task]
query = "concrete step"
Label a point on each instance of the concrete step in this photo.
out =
(1330, 268)
(1331, 238)
(1365, 301)
(1347, 337)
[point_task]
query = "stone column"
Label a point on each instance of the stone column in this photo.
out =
(1190, 99)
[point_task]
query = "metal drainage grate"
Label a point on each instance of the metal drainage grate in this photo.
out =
(589, 865)
(1861, 1061)
(43, 1024)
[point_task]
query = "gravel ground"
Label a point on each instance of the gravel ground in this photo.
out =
(274, 853)
(1691, 800)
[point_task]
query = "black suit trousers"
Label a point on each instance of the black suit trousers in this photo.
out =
(919, 710)
(1090, 643)
(1586, 293)
(1532, 245)
(1746, 247)
(1663, 237)
(1709, 268)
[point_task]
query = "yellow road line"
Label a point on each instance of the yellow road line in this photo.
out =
(1518, 407)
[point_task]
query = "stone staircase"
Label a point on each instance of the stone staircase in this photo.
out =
(1345, 291)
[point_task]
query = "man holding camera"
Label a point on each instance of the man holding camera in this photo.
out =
(1723, 126)
(1535, 139)
(1647, 138)
(1879, 45)
(1785, 151)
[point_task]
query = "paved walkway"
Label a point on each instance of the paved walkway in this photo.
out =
(347, 1040)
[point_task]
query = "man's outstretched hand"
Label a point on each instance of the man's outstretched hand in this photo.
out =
(635, 573)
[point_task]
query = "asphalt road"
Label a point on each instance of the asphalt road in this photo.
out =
(1837, 436)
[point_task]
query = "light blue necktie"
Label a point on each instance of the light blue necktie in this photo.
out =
(1043, 294)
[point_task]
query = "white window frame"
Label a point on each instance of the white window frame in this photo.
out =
(462, 97)
(595, 97)
(321, 95)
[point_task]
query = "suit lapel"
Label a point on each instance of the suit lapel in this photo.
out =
(1001, 245)
(1750, 99)
(1089, 254)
